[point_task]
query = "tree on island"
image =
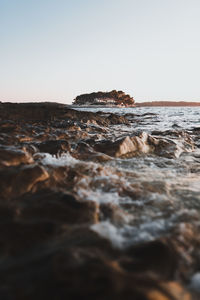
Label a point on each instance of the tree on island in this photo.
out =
(105, 98)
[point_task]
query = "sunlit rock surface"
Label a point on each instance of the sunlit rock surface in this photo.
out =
(99, 205)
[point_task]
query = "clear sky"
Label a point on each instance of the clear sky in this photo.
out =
(54, 50)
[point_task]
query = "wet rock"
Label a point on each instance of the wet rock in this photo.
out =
(95, 128)
(108, 280)
(51, 111)
(57, 207)
(125, 147)
(15, 181)
(117, 148)
(185, 239)
(112, 212)
(7, 126)
(196, 130)
(10, 156)
(98, 118)
(158, 256)
(7, 212)
(31, 111)
(141, 143)
(170, 148)
(85, 152)
(168, 291)
(63, 268)
(73, 128)
(116, 119)
(30, 148)
(54, 147)
(50, 206)
(17, 237)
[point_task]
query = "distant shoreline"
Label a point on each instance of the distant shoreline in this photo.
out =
(145, 104)
(167, 104)
(137, 104)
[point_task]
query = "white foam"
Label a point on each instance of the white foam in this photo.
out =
(122, 237)
(64, 160)
(109, 231)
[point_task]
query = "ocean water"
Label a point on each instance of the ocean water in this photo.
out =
(165, 117)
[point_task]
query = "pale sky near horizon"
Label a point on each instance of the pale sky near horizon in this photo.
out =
(54, 50)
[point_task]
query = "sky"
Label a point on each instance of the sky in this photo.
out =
(54, 50)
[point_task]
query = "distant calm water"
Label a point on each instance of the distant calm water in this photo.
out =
(165, 118)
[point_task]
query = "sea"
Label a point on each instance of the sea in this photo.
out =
(158, 193)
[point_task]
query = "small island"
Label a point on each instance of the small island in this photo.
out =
(108, 99)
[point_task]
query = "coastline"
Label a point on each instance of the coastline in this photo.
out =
(143, 104)
(92, 188)
(167, 104)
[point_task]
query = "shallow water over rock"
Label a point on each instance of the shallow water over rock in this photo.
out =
(102, 204)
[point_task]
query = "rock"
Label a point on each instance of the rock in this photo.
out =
(54, 147)
(99, 118)
(10, 156)
(50, 206)
(19, 237)
(130, 146)
(141, 143)
(115, 119)
(85, 152)
(58, 207)
(105, 98)
(158, 256)
(15, 182)
(173, 290)
(167, 147)
(31, 111)
(7, 213)
(144, 144)
(112, 212)
(117, 148)
(7, 126)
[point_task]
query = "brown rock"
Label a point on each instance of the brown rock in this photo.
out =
(15, 181)
(20, 237)
(99, 118)
(167, 147)
(117, 148)
(10, 156)
(85, 152)
(54, 147)
(31, 111)
(158, 256)
(112, 212)
(59, 207)
(130, 146)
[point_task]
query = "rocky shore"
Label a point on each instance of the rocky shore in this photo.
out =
(90, 209)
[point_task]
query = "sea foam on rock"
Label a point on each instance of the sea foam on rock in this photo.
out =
(79, 220)
(10, 156)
